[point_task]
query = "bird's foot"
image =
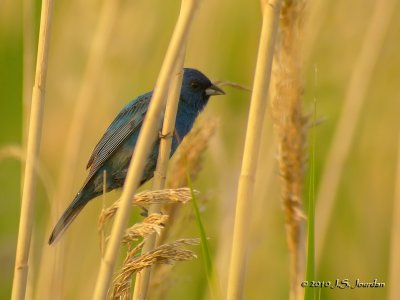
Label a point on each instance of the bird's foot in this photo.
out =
(144, 212)
(165, 136)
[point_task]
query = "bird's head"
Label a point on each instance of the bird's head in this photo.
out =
(197, 88)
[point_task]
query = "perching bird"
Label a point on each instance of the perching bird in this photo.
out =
(114, 150)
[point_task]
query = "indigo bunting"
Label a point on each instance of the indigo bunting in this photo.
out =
(113, 152)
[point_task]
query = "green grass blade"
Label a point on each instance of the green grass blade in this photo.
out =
(205, 249)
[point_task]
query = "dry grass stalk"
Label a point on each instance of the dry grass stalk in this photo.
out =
(165, 254)
(28, 65)
(148, 134)
(291, 127)
(270, 11)
(355, 96)
(152, 224)
(167, 131)
(167, 196)
(394, 267)
(33, 146)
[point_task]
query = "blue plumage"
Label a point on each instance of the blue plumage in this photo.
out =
(114, 150)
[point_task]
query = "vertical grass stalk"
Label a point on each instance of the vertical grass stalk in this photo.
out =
(147, 135)
(28, 66)
(394, 261)
(33, 148)
(167, 132)
(353, 102)
(270, 12)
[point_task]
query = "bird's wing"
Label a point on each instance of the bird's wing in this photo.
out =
(126, 122)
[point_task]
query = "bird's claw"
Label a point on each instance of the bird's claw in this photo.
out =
(144, 212)
(165, 136)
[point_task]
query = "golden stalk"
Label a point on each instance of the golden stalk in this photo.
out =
(33, 147)
(167, 132)
(394, 267)
(270, 12)
(146, 137)
(28, 65)
(353, 102)
(291, 129)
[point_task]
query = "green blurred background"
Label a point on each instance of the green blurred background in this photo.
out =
(223, 44)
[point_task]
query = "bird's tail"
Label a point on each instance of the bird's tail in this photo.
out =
(68, 216)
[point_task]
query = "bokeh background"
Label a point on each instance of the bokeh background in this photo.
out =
(223, 44)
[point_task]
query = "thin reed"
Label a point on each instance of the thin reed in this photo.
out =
(270, 11)
(33, 146)
(394, 261)
(167, 132)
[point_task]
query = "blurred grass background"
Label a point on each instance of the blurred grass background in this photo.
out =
(223, 45)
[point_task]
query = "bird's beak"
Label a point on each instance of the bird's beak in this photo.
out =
(214, 90)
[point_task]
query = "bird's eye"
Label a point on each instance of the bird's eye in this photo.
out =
(194, 84)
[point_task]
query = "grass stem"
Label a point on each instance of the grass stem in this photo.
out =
(394, 259)
(33, 147)
(143, 278)
(270, 12)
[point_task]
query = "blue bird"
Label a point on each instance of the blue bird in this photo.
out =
(114, 150)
